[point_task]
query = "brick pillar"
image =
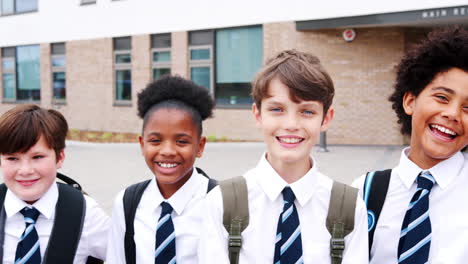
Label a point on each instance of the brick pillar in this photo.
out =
(46, 75)
(278, 37)
(179, 53)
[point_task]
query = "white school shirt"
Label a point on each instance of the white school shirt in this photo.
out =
(93, 236)
(187, 216)
(264, 187)
(447, 210)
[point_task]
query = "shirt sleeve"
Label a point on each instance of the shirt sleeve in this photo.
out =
(95, 229)
(115, 248)
(213, 243)
(356, 243)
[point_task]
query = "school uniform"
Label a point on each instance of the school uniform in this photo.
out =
(266, 203)
(93, 237)
(447, 210)
(187, 216)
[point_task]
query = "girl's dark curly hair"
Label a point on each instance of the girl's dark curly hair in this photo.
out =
(177, 93)
(442, 50)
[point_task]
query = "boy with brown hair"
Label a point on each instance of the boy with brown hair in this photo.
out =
(287, 198)
(42, 221)
(416, 211)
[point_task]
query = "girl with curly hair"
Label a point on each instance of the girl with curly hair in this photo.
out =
(156, 221)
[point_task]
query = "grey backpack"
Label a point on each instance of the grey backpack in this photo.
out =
(340, 219)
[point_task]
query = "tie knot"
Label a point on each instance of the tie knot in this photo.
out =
(30, 214)
(425, 180)
(166, 208)
(288, 195)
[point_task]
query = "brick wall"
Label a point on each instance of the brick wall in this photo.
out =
(363, 72)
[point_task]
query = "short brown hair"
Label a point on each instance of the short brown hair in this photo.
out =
(301, 72)
(22, 126)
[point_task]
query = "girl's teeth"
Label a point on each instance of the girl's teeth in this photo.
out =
(168, 165)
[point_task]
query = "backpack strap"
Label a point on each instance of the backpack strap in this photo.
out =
(131, 199)
(340, 219)
(211, 182)
(3, 190)
(374, 192)
(236, 213)
(68, 224)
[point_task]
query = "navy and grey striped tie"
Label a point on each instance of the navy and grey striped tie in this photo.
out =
(165, 237)
(288, 246)
(28, 251)
(415, 236)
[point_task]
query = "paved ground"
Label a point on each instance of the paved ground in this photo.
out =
(104, 169)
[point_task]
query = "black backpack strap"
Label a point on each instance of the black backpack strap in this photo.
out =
(211, 182)
(374, 192)
(69, 181)
(68, 224)
(131, 199)
(3, 190)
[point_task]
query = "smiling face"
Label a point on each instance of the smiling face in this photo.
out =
(30, 174)
(290, 129)
(170, 145)
(439, 118)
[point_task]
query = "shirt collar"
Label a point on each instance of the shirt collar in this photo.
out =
(273, 184)
(45, 205)
(443, 172)
(181, 197)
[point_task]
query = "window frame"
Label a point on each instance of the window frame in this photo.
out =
(15, 11)
(161, 64)
(203, 63)
(224, 105)
(58, 69)
(6, 71)
(119, 66)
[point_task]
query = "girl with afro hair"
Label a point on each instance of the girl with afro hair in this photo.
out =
(156, 221)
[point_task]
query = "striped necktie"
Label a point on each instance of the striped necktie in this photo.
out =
(27, 251)
(415, 236)
(288, 246)
(165, 237)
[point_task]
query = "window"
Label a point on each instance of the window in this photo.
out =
(238, 57)
(21, 73)
(9, 7)
(225, 61)
(201, 58)
(58, 63)
(161, 54)
(123, 68)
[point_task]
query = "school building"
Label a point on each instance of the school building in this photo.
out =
(90, 58)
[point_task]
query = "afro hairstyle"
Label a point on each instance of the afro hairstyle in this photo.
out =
(176, 92)
(442, 50)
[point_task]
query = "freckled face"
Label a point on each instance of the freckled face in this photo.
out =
(439, 118)
(170, 144)
(29, 175)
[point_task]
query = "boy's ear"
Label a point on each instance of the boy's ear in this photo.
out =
(60, 159)
(327, 118)
(408, 103)
(256, 113)
(201, 146)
